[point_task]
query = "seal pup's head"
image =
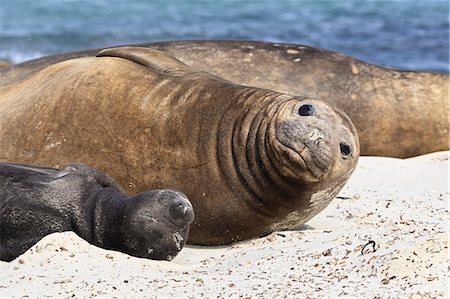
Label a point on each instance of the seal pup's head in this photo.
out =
(155, 224)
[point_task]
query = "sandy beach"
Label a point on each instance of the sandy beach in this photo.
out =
(398, 208)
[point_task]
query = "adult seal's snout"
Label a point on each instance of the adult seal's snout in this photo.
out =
(309, 133)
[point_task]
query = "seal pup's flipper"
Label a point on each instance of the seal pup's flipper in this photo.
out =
(154, 59)
(101, 178)
(18, 170)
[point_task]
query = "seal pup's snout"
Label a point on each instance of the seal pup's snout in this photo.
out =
(155, 224)
(180, 211)
(172, 208)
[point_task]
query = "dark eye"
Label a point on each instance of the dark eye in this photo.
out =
(345, 149)
(306, 110)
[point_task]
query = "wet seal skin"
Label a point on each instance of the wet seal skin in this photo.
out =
(397, 113)
(250, 160)
(37, 201)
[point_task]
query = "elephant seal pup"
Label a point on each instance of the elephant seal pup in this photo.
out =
(37, 201)
(250, 160)
(397, 113)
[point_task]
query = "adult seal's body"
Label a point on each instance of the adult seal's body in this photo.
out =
(397, 113)
(35, 202)
(250, 160)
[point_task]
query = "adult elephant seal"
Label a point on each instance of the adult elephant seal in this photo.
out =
(38, 201)
(250, 160)
(397, 113)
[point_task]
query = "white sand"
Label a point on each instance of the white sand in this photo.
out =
(400, 204)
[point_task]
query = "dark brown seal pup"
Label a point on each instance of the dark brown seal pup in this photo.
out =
(37, 201)
(397, 113)
(250, 160)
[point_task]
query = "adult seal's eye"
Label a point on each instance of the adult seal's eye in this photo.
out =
(306, 110)
(345, 149)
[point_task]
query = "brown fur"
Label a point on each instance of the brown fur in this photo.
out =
(245, 158)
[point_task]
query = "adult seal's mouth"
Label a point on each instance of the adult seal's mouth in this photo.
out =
(303, 149)
(299, 160)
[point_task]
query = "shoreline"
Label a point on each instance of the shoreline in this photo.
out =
(401, 205)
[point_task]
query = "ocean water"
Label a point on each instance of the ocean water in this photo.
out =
(408, 34)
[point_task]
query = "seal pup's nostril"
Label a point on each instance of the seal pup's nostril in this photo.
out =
(306, 110)
(179, 213)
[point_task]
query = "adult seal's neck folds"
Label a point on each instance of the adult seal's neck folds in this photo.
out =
(278, 149)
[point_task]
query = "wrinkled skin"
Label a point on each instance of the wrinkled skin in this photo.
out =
(397, 113)
(250, 160)
(38, 201)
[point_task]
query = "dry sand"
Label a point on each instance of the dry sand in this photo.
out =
(399, 204)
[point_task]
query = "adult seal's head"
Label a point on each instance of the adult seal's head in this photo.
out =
(317, 146)
(291, 154)
(154, 224)
(312, 142)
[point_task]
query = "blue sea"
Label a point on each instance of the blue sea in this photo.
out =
(408, 34)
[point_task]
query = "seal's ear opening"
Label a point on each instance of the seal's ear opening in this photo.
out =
(151, 58)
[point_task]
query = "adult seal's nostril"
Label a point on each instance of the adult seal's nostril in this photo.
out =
(306, 110)
(346, 151)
